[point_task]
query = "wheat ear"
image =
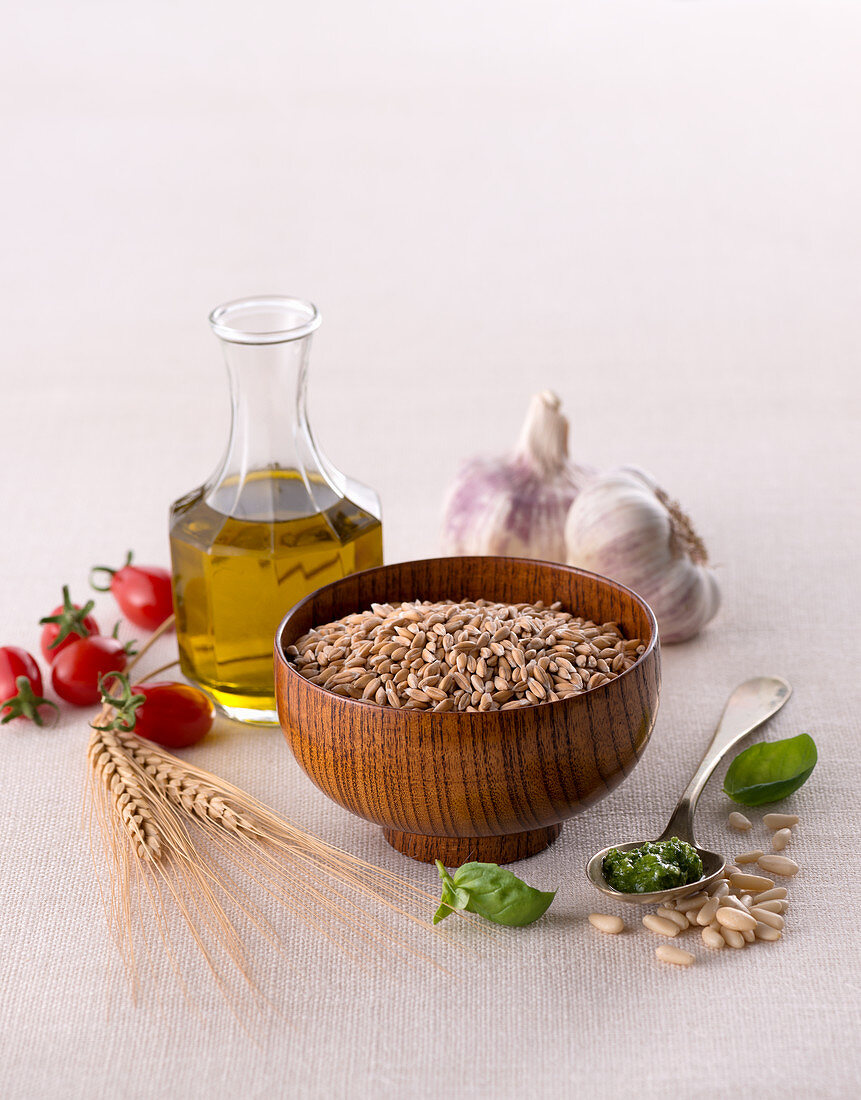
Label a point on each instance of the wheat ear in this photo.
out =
(176, 837)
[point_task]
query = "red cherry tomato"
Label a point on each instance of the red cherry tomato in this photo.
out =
(143, 592)
(20, 686)
(75, 673)
(66, 624)
(173, 715)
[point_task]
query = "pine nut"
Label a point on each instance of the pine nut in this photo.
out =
(707, 914)
(781, 839)
(779, 865)
(735, 919)
(750, 857)
(766, 932)
(731, 870)
(775, 906)
(765, 916)
(689, 904)
(780, 821)
(604, 922)
(677, 918)
(732, 938)
(660, 925)
(776, 893)
(749, 934)
(746, 900)
(713, 938)
(742, 881)
(674, 955)
(739, 821)
(720, 890)
(734, 903)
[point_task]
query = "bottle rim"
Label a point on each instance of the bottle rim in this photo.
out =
(264, 319)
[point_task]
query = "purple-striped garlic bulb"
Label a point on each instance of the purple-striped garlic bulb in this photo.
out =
(626, 528)
(516, 506)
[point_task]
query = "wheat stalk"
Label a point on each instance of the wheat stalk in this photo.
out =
(176, 837)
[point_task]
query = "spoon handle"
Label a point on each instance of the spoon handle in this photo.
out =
(751, 704)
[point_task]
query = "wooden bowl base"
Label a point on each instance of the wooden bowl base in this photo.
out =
(453, 851)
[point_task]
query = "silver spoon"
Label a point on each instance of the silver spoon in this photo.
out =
(751, 704)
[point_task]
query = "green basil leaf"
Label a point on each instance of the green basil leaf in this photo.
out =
(452, 898)
(496, 894)
(770, 770)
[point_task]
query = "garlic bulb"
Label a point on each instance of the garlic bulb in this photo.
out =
(623, 526)
(517, 505)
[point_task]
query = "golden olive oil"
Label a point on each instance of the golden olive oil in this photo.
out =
(236, 574)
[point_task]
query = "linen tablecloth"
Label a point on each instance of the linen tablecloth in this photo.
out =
(649, 208)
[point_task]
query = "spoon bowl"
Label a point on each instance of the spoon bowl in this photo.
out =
(751, 704)
(713, 868)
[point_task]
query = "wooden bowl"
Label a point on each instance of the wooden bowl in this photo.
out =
(491, 786)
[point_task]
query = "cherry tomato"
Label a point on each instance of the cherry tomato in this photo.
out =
(173, 715)
(75, 673)
(66, 624)
(143, 592)
(20, 686)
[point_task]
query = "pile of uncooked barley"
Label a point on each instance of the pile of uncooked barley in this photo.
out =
(466, 656)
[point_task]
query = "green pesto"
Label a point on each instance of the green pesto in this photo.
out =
(657, 865)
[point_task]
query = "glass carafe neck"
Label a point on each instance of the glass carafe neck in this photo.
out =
(271, 469)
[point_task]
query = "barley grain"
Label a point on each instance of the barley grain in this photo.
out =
(417, 655)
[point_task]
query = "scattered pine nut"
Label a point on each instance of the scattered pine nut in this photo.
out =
(688, 905)
(780, 839)
(756, 883)
(765, 916)
(660, 925)
(677, 918)
(604, 922)
(766, 932)
(749, 934)
(713, 938)
(732, 938)
(707, 914)
(720, 890)
(734, 903)
(776, 893)
(674, 955)
(773, 906)
(729, 917)
(730, 870)
(750, 857)
(778, 865)
(739, 821)
(780, 821)
(746, 900)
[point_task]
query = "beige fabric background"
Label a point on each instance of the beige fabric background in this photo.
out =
(650, 207)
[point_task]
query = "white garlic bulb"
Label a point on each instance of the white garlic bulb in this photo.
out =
(623, 526)
(517, 505)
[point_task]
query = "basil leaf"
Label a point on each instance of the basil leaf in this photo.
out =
(770, 770)
(492, 892)
(452, 898)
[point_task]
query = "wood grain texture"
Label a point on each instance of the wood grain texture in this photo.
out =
(483, 779)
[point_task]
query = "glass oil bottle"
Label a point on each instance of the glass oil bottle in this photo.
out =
(275, 521)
